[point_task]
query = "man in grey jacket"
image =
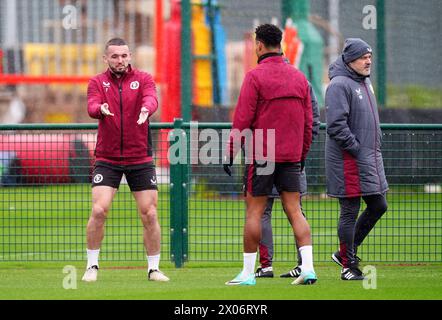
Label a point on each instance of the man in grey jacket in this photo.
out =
(353, 159)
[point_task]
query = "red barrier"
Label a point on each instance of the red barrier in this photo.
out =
(171, 88)
(19, 78)
(171, 106)
(1, 62)
(249, 52)
(48, 159)
(292, 44)
(159, 41)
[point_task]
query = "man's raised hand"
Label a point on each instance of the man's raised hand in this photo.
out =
(105, 110)
(144, 114)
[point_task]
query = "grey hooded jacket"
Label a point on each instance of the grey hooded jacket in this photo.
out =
(315, 132)
(353, 159)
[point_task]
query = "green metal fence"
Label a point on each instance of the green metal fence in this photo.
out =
(45, 173)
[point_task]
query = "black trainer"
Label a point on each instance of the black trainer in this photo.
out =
(336, 257)
(264, 272)
(294, 273)
(352, 274)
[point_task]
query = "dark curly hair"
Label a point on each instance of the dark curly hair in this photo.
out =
(269, 34)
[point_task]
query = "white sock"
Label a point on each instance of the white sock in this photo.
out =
(249, 263)
(307, 258)
(92, 257)
(153, 262)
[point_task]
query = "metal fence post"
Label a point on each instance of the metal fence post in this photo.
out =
(186, 60)
(381, 52)
(178, 195)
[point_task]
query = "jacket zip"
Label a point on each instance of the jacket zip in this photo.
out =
(375, 137)
(120, 90)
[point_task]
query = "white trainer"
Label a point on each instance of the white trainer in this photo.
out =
(308, 277)
(91, 274)
(156, 275)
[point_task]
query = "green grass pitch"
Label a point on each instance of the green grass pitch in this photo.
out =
(199, 281)
(43, 230)
(48, 223)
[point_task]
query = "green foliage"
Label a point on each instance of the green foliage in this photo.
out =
(413, 96)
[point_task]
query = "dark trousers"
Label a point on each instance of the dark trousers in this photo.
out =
(353, 230)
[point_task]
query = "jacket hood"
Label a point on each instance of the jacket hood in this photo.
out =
(340, 68)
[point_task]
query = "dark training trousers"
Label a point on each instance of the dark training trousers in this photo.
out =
(352, 232)
(266, 243)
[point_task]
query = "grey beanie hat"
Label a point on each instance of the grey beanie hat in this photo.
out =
(355, 48)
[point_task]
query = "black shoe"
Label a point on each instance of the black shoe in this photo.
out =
(264, 273)
(336, 257)
(352, 274)
(294, 273)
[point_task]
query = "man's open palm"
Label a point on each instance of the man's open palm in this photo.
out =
(105, 110)
(144, 114)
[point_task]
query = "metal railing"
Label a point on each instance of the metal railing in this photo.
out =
(45, 172)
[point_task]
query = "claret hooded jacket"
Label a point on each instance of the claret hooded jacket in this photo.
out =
(120, 139)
